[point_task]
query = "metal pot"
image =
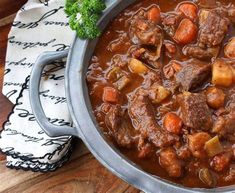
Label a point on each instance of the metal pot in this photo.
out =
(86, 127)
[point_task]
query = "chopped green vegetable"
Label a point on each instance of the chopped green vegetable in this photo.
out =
(122, 82)
(84, 15)
(114, 74)
(213, 146)
(207, 177)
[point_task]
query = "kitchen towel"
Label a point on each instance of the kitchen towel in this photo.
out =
(39, 26)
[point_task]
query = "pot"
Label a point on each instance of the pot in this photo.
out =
(86, 127)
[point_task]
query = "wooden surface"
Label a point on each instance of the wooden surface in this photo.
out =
(82, 174)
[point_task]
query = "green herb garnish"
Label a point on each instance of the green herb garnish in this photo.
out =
(84, 15)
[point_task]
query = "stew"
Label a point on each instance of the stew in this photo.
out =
(161, 83)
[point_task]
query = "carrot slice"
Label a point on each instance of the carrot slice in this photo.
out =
(154, 15)
(172, 123)
(186, 32)
(110, 95)
(189, 10)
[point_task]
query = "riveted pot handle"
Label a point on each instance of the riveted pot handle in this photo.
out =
(34, 84)
(42, 61)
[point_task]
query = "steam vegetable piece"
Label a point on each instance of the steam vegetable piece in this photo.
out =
(114, 74)
(189, 10)
(154, 14)
(186, 32)
(222, 73)
(110, 95)
(136, 66)
(122, 82)
(207, 177)
(213, 146)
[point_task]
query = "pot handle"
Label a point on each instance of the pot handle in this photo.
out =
(34, 96)
(34, 84)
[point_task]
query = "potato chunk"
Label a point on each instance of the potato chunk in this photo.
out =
(158, 93)
(229, 49)
(136, 66)
(222, 73)
(197, 142)
(203, 15)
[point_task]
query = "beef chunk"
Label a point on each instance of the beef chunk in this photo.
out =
(171, 48)
(231, 13)
(119, 129)
(213, 28)
(193, 74)
(148, 56)
(171, 69)
(196, 143)
(181, 29)
(144, 32)
(142, 115)
(195, 112)
(171, 21)
(169, 161)
(224, 124)
(196, 51)
(226, 11)
(152, 77)
(230, 106)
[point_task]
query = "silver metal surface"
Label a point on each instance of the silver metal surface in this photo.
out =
(50, 129)
(86, 126)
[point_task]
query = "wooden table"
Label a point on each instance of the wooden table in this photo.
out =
(82, 174)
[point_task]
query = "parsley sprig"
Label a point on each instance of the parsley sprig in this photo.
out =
(84, 15)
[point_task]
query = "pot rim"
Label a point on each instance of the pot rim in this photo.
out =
(81, 111)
